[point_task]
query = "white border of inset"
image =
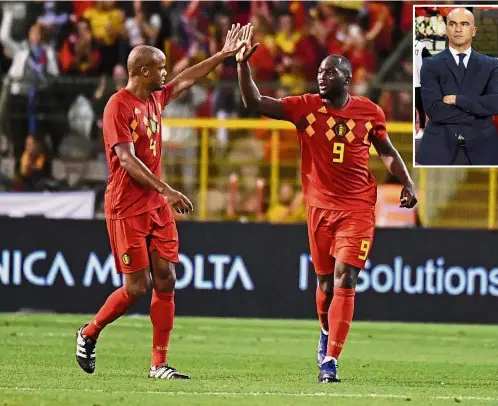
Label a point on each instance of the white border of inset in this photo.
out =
(491, 5)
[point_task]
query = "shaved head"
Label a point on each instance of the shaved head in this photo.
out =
(143, 56)
(457, 14)
(460, 28)
(146, 70)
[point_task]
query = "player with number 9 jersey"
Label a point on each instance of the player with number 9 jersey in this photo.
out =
(338, 187)
(335, 131)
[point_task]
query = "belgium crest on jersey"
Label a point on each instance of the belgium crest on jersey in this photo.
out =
(340, 129)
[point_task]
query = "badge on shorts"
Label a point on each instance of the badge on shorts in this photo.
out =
(126, 259)
(340, 129)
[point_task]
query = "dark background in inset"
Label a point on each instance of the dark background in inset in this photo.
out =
(486, 39)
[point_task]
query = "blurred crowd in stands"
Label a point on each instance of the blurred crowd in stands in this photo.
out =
(430, 22)
(61, 60)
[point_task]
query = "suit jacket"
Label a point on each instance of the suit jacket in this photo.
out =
(471, 117)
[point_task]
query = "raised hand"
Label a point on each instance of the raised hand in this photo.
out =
(232, 43)
(245, 39)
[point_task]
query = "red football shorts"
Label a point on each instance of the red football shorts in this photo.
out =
(345, 235)
(133, 238)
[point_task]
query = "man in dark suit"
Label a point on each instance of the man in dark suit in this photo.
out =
(460, 95)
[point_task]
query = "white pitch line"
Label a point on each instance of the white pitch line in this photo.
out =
(254, 394)
(464, 398)
(299, 394)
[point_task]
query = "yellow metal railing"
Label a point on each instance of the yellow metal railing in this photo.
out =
(422, 190)
(471, 203)
(274, 126)
(204, 172)
(492, 198)
(274, 179)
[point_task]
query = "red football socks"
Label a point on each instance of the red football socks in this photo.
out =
(115, 306)
(322, 307)
(162, 313)
(340, 317)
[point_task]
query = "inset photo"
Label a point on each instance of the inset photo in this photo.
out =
(455, 52)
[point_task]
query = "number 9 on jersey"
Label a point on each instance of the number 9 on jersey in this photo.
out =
(338, 150)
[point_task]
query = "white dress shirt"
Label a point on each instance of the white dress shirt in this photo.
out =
(467, 53)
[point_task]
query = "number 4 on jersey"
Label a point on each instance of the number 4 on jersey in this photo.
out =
(153, 146)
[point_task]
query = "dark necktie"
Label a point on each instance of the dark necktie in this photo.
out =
(461, 66)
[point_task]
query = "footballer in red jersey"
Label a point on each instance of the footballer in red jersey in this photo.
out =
(335, 131)
(138, 203)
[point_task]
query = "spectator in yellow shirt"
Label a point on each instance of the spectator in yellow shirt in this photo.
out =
(289, 66)
(108, 29)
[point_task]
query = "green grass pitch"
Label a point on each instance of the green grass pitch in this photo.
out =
(247, 362)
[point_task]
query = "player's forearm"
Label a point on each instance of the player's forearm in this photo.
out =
(396, 166)
(250, 92)
(202, 69)
(138, 171)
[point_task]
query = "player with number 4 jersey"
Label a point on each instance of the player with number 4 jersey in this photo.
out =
(138, 204)
(335, 131)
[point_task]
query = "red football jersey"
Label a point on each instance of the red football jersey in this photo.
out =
(129, 119)
(335, 150)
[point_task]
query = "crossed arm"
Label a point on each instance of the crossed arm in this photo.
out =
(432, 98)
(456, 109)
(485, 105)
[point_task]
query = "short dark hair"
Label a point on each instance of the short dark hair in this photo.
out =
(343, 64)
